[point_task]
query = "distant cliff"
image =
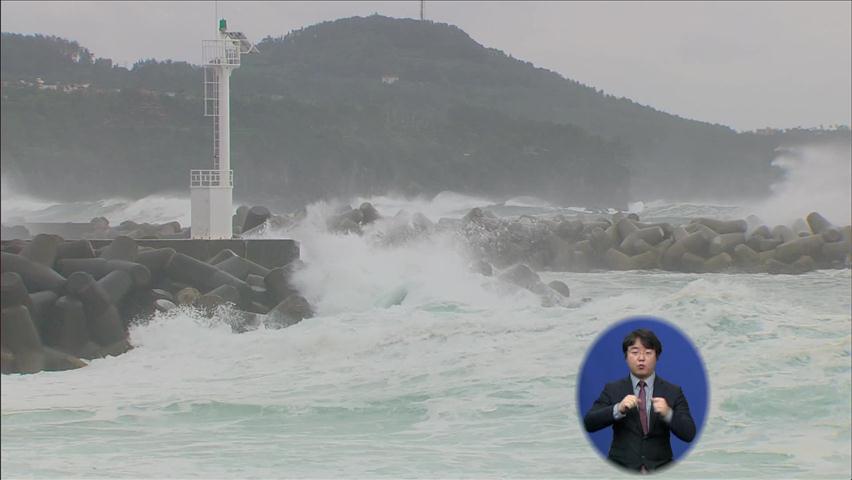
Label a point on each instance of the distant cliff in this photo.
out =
(360, 106)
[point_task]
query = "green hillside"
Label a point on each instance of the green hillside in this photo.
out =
(358, 106)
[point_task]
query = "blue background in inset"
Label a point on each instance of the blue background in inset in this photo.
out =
(679, 363)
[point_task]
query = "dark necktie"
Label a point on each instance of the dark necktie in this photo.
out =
(643, 414)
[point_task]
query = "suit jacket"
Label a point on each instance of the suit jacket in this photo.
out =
(631, 448)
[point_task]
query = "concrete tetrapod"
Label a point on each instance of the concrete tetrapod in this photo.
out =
(668, 228)
(817, 223)
(40, 307)
(625, 227)
(21, 338)
(100, 267)
(96, 267)
(289, 312)
(7, 361)
(116, 284)
(746, 258)
(802, 265)
(663, 247)
(639, 241)
(790, 251)
(187, 296)
(55, 361)
(36, 277)
(724, 226)
(694, 243)
(42, 249)
(239, 218)
(221, 295)
(255, 280)
(718, 263)
(258, 308)
(104, 323)
(121, 248)
(708, 233)
(278, 283)
(523, 276)
(837, 251)
(679, 233)
(726, 242)
(75, 249)
(223, 255)
(831, 235)
(369, 213)
(617, 260)
(240, 267)
(600, 239)
(204, 276)
(138, 273)
(163, 305)
(155, 260)
(255, 217)
(761, 232)
(67, 328)
(560, 287)
(765, 244)
(639, 247)
(13, 292)
(692, 263)
(784, 233)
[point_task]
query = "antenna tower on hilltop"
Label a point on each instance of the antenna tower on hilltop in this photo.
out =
(212, 190)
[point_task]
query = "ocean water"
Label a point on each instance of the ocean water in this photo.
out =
(415, 367)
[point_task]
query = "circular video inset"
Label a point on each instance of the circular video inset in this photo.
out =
(643, 394)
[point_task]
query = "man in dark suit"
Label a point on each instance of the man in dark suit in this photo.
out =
(642, 409)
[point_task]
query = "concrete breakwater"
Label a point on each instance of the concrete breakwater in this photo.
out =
(244, 221)
(623, 242)
(65, 301)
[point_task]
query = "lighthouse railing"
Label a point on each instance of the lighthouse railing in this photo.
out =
(211, 178)
(221, 52)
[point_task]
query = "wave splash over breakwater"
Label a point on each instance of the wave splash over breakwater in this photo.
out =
(415, 366)
(816, 177)
(352, 273)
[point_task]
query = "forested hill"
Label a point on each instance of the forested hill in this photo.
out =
(359, 106)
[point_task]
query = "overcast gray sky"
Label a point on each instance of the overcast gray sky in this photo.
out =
(744, 64)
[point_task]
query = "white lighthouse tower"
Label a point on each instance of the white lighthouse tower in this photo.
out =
(212, 190)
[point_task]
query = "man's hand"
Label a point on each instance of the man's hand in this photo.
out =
(628, 402)
(661, 406)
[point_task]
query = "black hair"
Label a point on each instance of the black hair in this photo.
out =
(647, 337)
